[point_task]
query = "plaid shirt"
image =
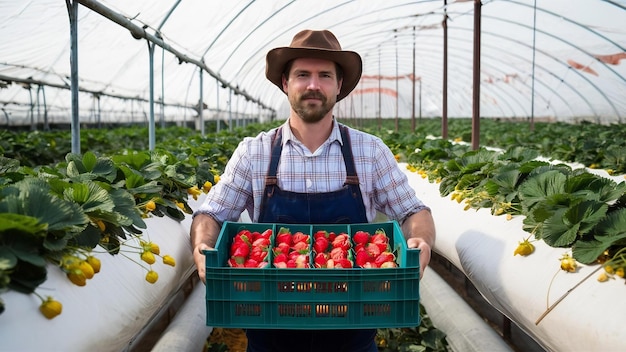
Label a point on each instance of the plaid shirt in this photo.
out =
(384, 186)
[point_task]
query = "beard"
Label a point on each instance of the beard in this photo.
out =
(310, 112)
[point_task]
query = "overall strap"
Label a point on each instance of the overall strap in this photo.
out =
(346, 149)
(277, 148)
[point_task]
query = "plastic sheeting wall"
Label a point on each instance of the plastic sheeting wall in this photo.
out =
(557, 59)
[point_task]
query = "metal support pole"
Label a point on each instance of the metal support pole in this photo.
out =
(151, 127)
(218, 121)
(380, 112)
(444, 112)
(397, 88)
(201, 104)
(413, 90)
(72, 8)
(476, 78)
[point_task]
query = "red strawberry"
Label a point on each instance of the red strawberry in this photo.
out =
(239, 250)
(284, 237)
(389, 265)
(282, 248)
(261, 242)
(300, 237)
(384, 257)
(266, 234)
(373, 250)
(320, 260)
(361, 237)
(320, 233)
(258, 253)
(301, 247)
(343, 263)
(320, 245)
(343, 241)
(251, 263)
(280, 259)
(338, 253)
(362, 258)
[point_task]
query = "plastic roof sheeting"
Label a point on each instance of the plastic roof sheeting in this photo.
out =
(559, 59)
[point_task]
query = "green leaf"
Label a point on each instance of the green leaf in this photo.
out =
(590, 186)
(610, 231)
(32, 197)
(613, 225)
(536, 189)
(125, 206)
(21, 223)
(586, 214)
(89, 237)
(27, 277)
(556, 232)
(8, 260)
(90, 196)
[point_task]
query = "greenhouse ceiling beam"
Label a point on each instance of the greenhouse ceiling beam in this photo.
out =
(139, 32)
(558, 38)
(459, 59)
(90, 91)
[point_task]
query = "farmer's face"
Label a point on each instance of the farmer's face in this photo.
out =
(312, 87)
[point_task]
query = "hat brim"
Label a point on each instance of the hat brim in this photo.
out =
(349, 61)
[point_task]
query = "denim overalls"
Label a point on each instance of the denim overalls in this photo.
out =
(342, 206)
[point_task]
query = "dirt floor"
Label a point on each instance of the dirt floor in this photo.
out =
(235, 339)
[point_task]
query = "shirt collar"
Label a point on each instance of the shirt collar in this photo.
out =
(335, 134)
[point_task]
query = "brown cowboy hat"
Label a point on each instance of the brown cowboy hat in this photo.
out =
(320, 45)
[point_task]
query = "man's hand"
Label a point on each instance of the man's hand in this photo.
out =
(200, 259)
(424, 252)
(419, 229)
(203, 235)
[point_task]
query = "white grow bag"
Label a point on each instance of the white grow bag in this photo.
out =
(481, 245)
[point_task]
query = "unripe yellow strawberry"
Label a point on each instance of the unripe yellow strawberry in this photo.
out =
(152, 276)
(603, 277)
(77, 277)
(181, 205)
(169, 260)
(194, 192)
(101, 225)
(150, 205)
(95, 263)
(216, 178)
(207, 186)
(69, 262)
(524, 248)
(86, 268)
(154, 248)
(609, 269)
(619, 272)
(568, 263)
(50, 308)
(148, 257)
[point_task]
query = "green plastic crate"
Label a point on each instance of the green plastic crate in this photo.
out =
(313, 298)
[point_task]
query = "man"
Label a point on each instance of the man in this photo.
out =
(312, 170)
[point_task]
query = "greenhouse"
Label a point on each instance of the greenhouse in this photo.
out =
(506, 117)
